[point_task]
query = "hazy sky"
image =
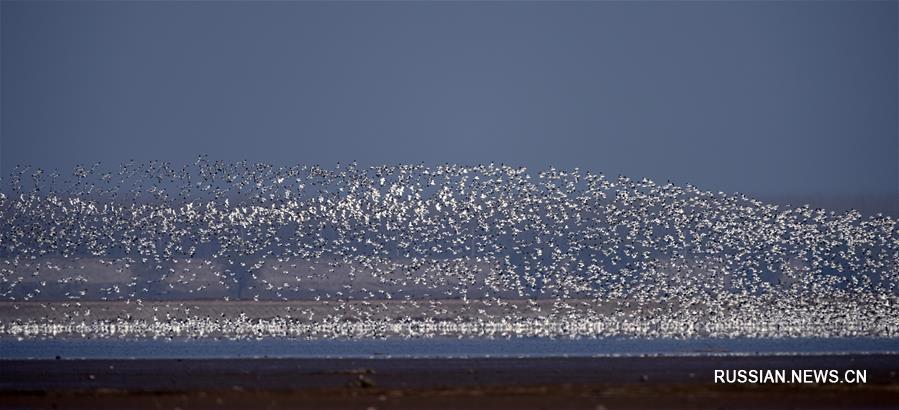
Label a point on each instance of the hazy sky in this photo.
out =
(776, 98)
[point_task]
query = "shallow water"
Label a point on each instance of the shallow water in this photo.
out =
(434, 348)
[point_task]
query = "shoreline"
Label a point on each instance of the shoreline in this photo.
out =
(623, 382)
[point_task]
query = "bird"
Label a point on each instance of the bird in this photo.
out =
(411, 250)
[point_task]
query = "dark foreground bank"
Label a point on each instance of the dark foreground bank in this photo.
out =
(588, 383)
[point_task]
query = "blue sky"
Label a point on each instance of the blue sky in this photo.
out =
(773, 98)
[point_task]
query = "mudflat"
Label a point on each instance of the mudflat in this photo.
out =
(676, 382)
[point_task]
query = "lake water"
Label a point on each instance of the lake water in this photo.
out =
(433, 348)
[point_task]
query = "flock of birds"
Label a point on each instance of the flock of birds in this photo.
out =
(413, 250)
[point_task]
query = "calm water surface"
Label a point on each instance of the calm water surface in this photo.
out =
(434, 348)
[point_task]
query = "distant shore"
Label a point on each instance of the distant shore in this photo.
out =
(593, 383)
